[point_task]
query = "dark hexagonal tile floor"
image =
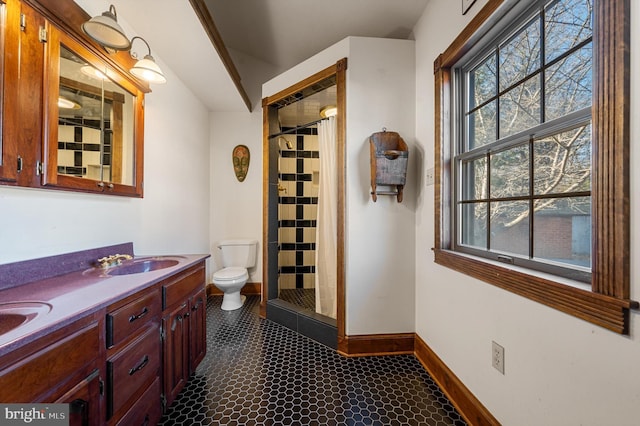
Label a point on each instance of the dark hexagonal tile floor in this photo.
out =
(257, 372)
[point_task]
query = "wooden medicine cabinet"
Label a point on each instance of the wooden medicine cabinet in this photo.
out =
(81, 128)
(91, 126)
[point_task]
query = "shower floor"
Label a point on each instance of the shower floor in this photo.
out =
(303, 297)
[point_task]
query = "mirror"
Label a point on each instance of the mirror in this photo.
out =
(94, 135)
(95, 123)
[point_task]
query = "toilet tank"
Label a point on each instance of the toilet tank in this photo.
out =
(238, 253)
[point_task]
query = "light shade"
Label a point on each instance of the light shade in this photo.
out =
(328, 111)
(105, 30)
(92, 72)
(67, 103)
(147, 69)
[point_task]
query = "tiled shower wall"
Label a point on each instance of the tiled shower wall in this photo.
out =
(79, 148)
(297, 209)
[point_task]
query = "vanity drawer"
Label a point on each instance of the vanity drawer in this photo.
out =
(178, 289)
(147, 409)
(60, 361)
(124, 321)
(133, 368)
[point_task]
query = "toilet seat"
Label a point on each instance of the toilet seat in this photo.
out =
(231, 274)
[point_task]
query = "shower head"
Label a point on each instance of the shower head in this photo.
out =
(286, 142)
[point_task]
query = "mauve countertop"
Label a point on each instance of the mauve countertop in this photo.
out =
(76, 294)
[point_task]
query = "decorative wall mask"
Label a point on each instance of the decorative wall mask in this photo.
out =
(241, 158)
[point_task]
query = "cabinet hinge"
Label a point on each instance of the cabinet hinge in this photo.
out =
(39, 168)
(20, 164)
(101, 387)
(42, 34)
(23, 22)
(163, 401)
(162, 334)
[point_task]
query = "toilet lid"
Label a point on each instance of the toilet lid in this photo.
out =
(230, 273)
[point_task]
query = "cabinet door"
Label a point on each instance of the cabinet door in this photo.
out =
(198, 332)
(23, 48)
(84, 401)
(176, 351)
(9, 71)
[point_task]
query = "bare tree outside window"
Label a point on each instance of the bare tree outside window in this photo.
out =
(524, 163)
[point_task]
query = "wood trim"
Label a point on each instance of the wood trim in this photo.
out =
(611, 135)
(469, 407)
(466, 38)
(341, 128)
(265, 209)
(377, 344)
(605, 311)
(210, 28)
(313, 79)
(249, 289)
(608, 303)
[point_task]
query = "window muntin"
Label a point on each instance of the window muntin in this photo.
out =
(523, 161)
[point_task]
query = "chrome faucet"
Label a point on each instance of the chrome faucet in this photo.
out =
(113, 260)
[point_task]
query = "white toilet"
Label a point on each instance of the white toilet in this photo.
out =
(237, 257)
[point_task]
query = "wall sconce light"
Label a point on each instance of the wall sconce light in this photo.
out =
(92, 72)
(146, 68)
(106, 31)
(328, 111)
(67, 103)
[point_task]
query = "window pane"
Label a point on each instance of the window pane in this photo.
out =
(474, 179)
(562, 230)
(567, 23)
(510, 172)
(568, 84)
(474, 225)
(520, 56)
(510, 227)
(482, 82)
(520, 107)
(562, 163)
(482, 126)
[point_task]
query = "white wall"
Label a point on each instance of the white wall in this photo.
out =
(380, 239)
(173, 216)
(236, 207)
(560, 370)
(380, 236)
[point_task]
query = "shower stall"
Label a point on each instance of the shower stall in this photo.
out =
(292, 213)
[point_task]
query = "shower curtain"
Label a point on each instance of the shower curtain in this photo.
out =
(326, 224)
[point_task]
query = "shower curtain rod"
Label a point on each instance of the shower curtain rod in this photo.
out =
(295, 129)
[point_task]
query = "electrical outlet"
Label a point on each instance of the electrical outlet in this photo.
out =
(497, 357)
(430, 176)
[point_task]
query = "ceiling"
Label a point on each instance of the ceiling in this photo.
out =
(281, 33)
(286, 32)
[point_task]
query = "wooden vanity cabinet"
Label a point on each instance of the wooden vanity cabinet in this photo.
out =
(121, 365)
(134, 358)
(82, 411)
(183, 328)
(65, 366)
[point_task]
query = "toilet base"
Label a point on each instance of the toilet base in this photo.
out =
(232, 301)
